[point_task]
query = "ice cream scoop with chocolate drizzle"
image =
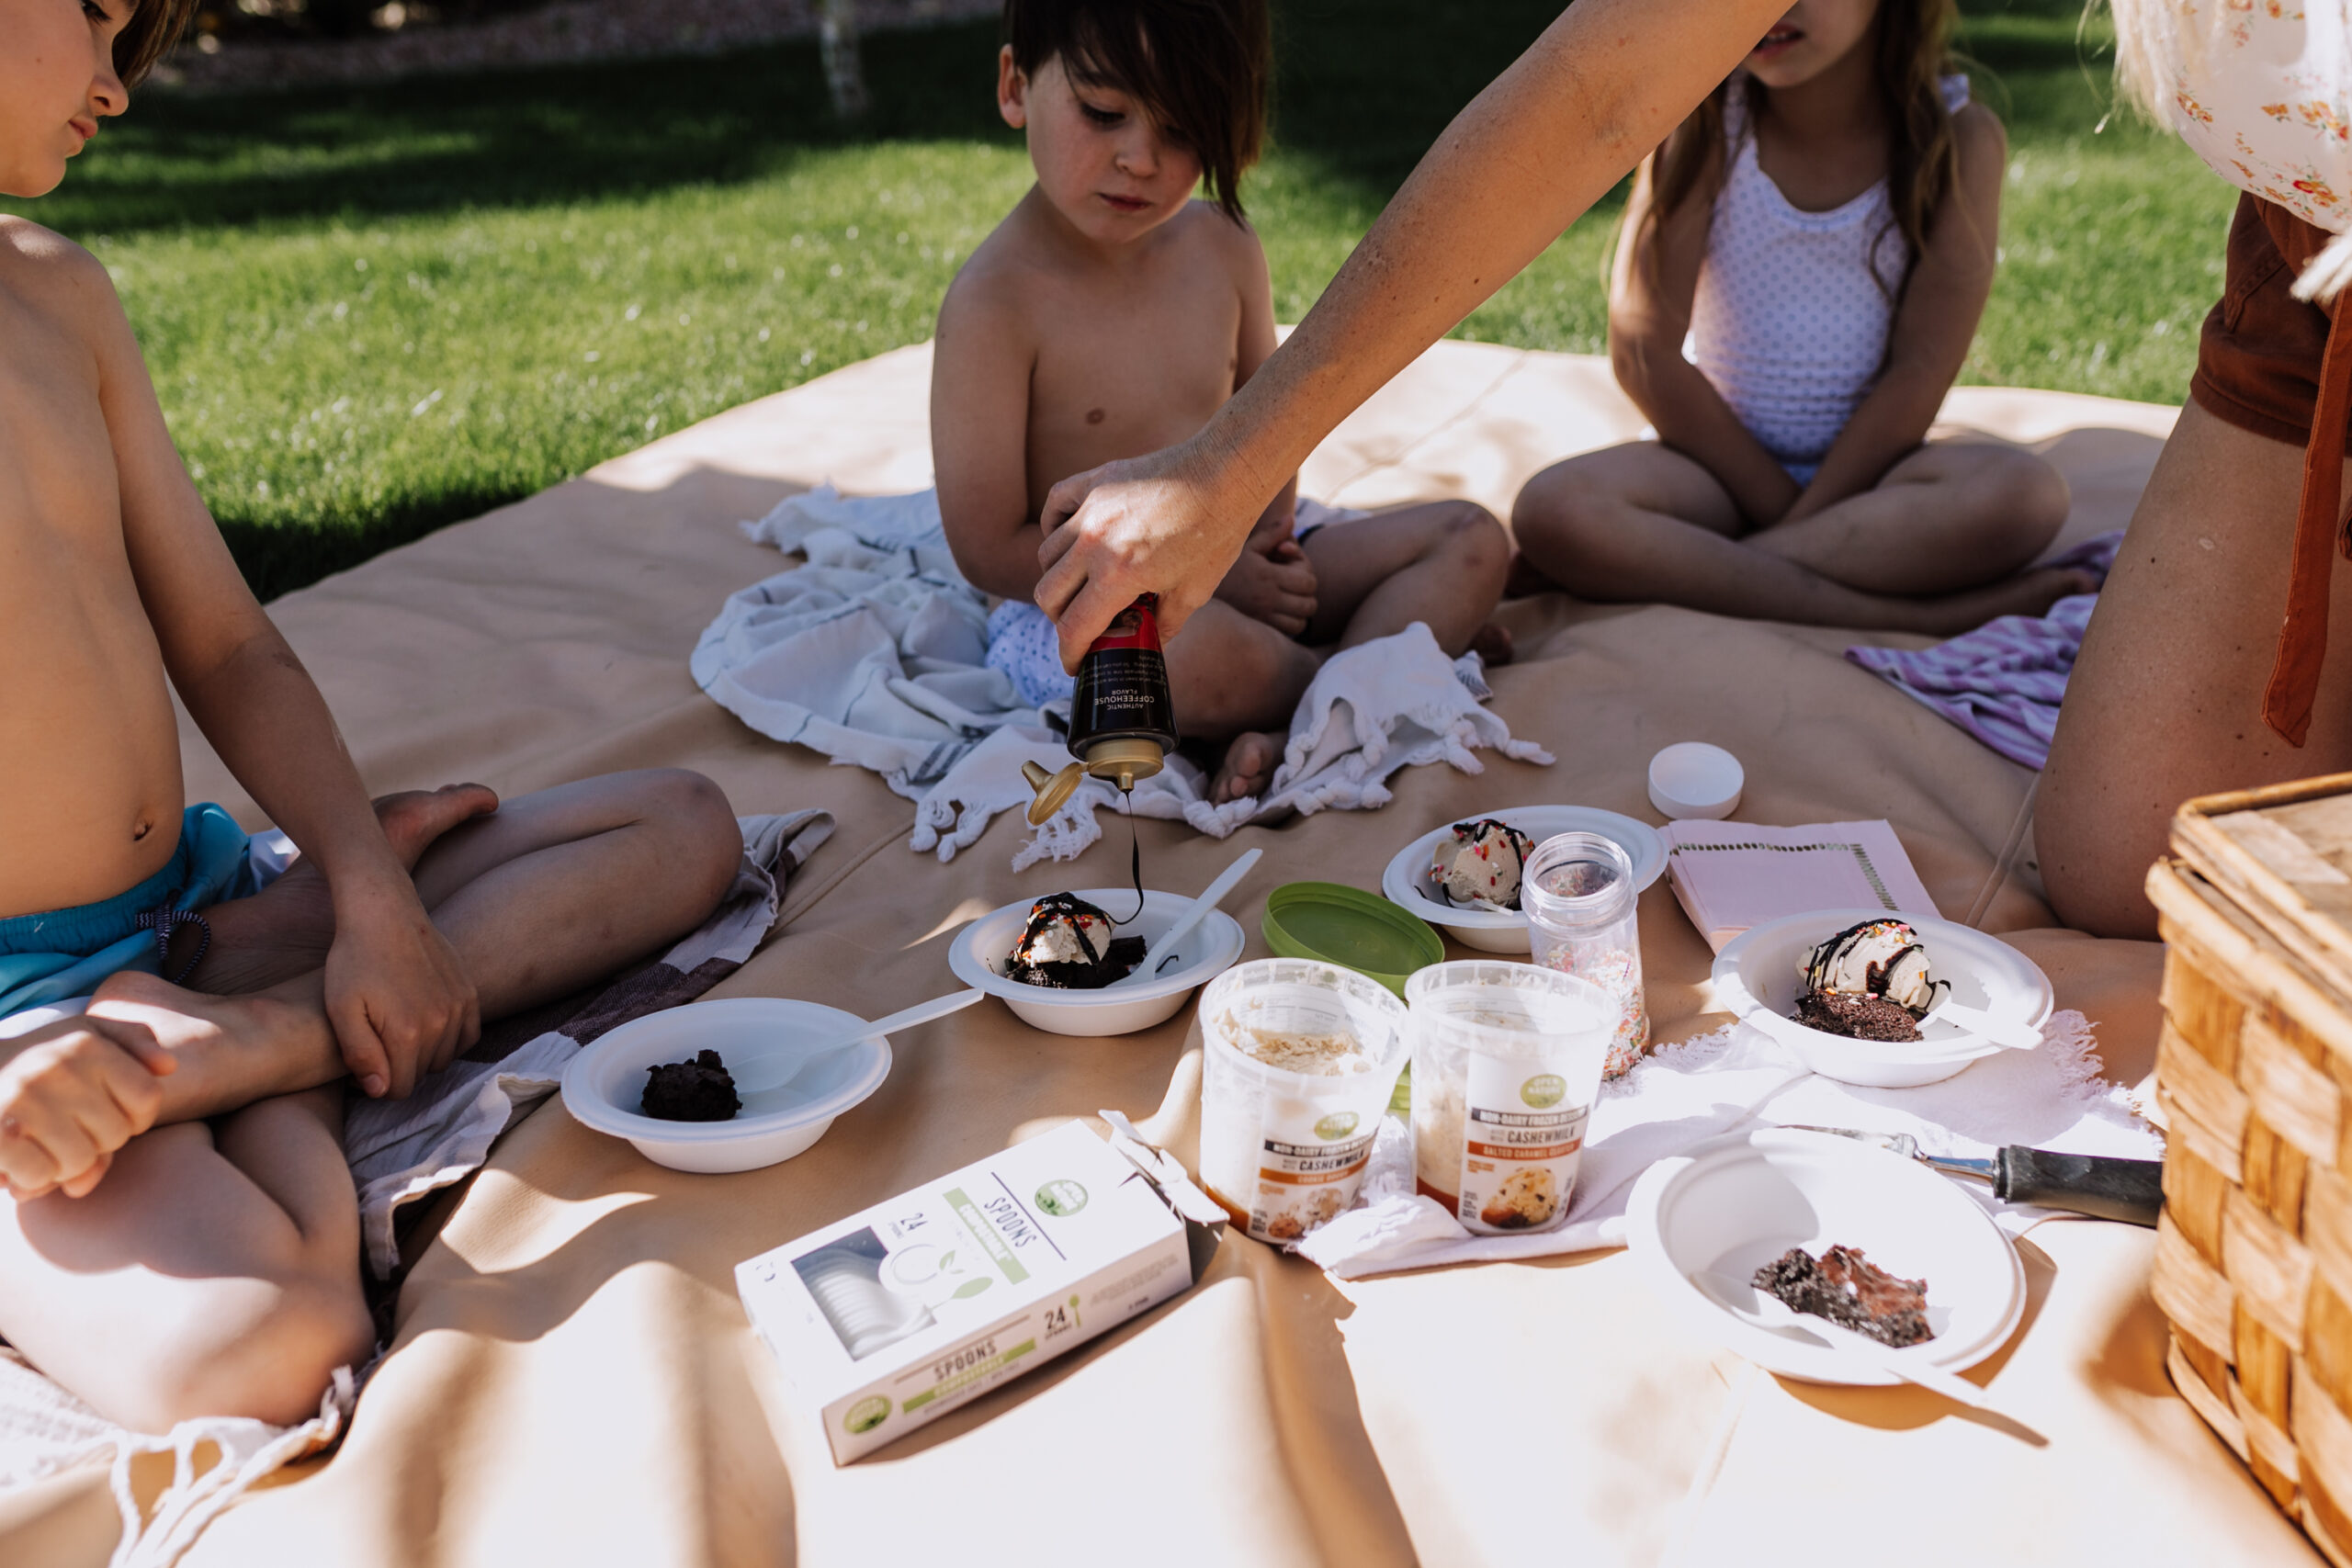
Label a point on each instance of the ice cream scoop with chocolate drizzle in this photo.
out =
(1067, 944)
(1478, 864)
(1869, 982)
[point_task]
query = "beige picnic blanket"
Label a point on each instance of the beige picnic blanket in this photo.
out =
(573, 1380)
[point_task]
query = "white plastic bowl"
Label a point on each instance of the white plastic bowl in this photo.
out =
(604, 1088)
(1692, 781)
(981, 948)
(1734, 1204)
(1409, 882)
(1758, 969)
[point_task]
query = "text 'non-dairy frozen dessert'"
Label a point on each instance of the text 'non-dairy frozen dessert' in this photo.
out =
(698, 1090)
(1849, 1290)
(1478, 864)
(1871, 981)
(1067, 944)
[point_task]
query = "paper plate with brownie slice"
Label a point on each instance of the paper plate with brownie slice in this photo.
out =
(1057, 961)
(1464, 877)
(1831, 1228)
(1855, 994)
(669, 1082)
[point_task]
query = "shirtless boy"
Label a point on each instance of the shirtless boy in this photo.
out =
(179, 1235)
(1110, 315)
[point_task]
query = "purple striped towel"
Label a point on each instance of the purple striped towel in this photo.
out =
(2003, 681)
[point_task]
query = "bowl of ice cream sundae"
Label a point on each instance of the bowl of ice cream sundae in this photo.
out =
(1065, 962)
(1464, 877)
(1856, 992)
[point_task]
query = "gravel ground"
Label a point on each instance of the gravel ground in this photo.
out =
(561, 33)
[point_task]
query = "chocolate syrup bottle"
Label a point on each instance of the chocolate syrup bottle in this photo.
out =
(1122, 718)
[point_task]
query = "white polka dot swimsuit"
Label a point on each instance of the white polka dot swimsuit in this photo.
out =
(1788, 323)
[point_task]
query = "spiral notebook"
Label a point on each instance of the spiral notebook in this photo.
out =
(1732, 875)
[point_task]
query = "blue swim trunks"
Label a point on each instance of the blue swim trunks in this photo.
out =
(64, 953)
(1024, 645)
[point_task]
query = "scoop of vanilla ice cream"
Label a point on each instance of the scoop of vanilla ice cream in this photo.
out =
(1074, 938)
(1479, 864)
(1844, 963)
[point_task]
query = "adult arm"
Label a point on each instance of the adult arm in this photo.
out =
(1542, 143)
(1649, 316)
(397, 994)
(1937, 322)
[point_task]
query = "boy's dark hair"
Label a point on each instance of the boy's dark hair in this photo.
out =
(153, 27)
(1200, 67)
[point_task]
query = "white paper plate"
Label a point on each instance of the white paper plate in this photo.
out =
(1734, 1204)
(1407, 880)
(978, 955)
(604, 1087)
(1759, 969)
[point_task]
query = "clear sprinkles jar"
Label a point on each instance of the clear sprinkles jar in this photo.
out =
(1582, 917)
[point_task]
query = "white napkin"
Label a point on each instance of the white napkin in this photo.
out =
(1734, 1079)
(1730, 876)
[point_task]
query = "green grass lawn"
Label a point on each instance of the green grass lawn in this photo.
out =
(370, 313)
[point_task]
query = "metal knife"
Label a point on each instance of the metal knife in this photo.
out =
(2101, 1186)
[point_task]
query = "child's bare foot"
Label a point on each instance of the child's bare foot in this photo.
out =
(1492, 643)
(287, 928)
(2027, 594)
(231, 1050)
(1249, 767)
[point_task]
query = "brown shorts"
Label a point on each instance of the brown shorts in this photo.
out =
(2257, 363)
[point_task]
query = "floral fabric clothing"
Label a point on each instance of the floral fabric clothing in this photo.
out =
(2262, 91)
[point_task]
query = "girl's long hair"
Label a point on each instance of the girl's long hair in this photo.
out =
(1914, 55)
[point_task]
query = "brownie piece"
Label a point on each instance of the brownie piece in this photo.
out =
(1851, 1291)
(1855, 1017)
(699, 1090)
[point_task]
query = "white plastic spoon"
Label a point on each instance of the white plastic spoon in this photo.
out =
(1770, 1313)
(1211, 897)
(749, 1081)
(2009, 1033)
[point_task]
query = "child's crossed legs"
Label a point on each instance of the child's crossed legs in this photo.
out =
(215, 1268)
(1939, 546)
(1442, 563)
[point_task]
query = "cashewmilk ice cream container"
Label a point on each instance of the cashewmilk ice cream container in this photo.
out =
(1507, 1061)
(1299, 1059)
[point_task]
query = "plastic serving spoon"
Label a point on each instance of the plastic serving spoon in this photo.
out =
(1211, 897)
(1768, 1312)
(2009, 1033)
(752, 1081)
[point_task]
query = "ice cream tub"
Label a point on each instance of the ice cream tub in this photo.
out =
(1506, 1062)
(1299, 1061)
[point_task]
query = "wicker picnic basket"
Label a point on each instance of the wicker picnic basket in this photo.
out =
(2254, 1251)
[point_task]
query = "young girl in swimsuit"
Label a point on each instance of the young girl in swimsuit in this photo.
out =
(1820, 233)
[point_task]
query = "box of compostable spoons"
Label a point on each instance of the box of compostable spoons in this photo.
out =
(897, 1315)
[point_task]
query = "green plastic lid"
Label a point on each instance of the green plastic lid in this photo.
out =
(1351, 928)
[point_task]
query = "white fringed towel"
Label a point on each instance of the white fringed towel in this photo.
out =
(874, 653)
